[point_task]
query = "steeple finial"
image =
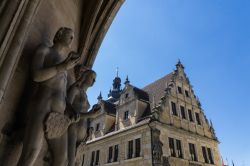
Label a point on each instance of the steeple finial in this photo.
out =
(127, 81)
(179, 64)
(100, 96)
(117, 71)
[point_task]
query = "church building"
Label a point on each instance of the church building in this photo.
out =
(161, 124)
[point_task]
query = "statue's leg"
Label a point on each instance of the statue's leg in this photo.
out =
(58, 147)
(72, 136)
(33, 141)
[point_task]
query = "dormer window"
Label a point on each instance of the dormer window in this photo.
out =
(179, 90)
(126, 95)
(125, 115)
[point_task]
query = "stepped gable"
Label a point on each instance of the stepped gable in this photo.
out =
(157, 88)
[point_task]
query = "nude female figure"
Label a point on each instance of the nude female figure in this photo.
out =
(77, 97)
(49, 70)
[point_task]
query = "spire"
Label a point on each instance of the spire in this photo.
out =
(117, 72)
(127, 81)
(179, 65)
(100, 96)
(115, 92)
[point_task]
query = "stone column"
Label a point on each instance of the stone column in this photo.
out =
(14, 50)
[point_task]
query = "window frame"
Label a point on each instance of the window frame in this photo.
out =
(97, 157)
(138, 147)
(110, 154)
(171, 147)
(97, 127)
(187, 93)
(183, 112)
(210, 156)
(116, 153)
(190, 115)
(92, 161)
(179, 148)
(126, 115)
(204, 154)
(192, 152)
(174, 109)
(130, 149)
(179, 89)
(197, 118)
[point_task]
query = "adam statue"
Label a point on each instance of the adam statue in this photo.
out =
(49, 69)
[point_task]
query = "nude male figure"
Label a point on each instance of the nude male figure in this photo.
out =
(49, 68)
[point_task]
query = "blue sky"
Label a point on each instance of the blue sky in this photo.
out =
(212, 39)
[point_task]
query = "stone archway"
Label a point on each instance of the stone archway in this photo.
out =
(27, 23)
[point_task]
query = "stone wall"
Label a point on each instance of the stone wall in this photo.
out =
(121, 138)
(187, 137)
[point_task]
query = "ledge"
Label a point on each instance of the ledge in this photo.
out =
(113, 163)
(133, 159)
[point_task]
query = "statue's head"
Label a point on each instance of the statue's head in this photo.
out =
(64, 36)
(87, 78)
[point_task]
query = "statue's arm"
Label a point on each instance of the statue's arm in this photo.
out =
(40, 73)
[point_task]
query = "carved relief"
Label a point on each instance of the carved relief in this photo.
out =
(157, 147)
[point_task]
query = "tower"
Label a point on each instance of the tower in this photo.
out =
(115, 92)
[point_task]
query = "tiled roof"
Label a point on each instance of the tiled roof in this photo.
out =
(141, 94)
(157, 88)
(109, 107)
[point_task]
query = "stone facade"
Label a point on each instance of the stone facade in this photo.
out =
(166, 116)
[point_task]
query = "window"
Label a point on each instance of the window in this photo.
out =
(97, 127)
(92, 158)
(171, 147)
(183, 114)
(138, 147)
(126, 95)
(179, 90)
(190, 115)
(97, 157)
(197, 116)
(174, 111)
(125, 115)
(186, 93)
(110, 154)
(116, 153)
(210, 156)
(204, 153)
(192, 152)
(179, 149)
(130, 149)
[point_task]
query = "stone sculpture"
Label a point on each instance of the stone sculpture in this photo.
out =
(157, 147)
(78, 100)
(49, 69)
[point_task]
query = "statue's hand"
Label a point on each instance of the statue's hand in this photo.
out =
(75, 117)
(71, 61)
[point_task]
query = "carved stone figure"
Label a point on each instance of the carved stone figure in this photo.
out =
(49, 69)
(77, 97)
(157, 147)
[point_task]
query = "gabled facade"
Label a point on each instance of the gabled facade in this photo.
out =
(161, 124)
